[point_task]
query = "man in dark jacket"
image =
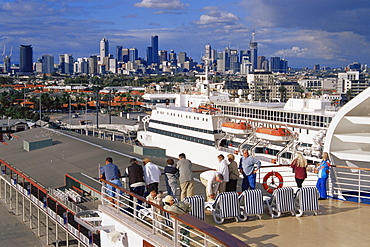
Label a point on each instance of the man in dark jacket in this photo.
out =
(135, 175)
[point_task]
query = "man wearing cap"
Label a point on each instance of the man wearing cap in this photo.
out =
(179, 208)
(111, 173)
(152, 175)
(211, 179)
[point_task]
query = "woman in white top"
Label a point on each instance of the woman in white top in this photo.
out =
(223, 168)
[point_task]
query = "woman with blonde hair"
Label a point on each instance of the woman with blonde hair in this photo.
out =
(323, 171)
(299, 165)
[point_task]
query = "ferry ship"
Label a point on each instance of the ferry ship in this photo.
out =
(273, 132)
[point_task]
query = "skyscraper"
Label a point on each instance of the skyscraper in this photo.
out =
(47, 64)
(155, 49)
(278, 65)
(104, 48)
(149, 55)
(172, 57)
(93, 65)
(119, 53)
(125, 54)
(253, 46)
(133, 54)
(26, 58)
(163, 56)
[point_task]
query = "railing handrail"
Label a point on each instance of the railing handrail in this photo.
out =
(352, 168)
(212, 231)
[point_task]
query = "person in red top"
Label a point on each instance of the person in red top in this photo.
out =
(299, 165)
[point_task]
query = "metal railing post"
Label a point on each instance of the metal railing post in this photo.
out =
(47, 229)
(23, 214)
(5, 192)
(30, 212)
(38, 221)
(10, 195)
(359, 186)
(16, 203)
(56, 234)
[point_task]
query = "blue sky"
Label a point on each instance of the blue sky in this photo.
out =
(327, 32)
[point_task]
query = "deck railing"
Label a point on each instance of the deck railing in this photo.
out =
(351, 183)
(179, 230)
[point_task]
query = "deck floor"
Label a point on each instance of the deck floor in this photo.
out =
(338, 223)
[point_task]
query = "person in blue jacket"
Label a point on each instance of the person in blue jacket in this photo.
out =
(323, 174)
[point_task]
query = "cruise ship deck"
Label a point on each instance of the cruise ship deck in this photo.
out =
(338, 223)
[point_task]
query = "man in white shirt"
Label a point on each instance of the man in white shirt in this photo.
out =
(223, 168)
(152, 175)
(211, 179)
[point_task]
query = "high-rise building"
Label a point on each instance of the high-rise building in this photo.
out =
(133, 54)
(66, 63)
(163, 56)
(93, 65)
(154, 40)
(119, 53)
(253, 46)
(278, 65)
(104, 48)
(47, 64)
(149, 55)
(125, 55)
(182, 59)
(82, 65)
(260, 62)
(172, 57)
(26, 58)
(234, 61)
(208, 51)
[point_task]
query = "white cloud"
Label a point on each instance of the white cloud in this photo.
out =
(217, 17)
(161, 4)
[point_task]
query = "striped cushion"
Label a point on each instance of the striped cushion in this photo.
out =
(228, 203)
(197, 206)
(253, 201)
(283, 198)
(308, 199)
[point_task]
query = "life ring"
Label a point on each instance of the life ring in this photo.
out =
(273, 175)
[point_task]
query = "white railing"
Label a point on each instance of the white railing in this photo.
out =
(162, 222)
(10, 191)
(351, 183)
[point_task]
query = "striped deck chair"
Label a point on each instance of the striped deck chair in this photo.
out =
(226, 205)
(251, 203)
(197, 206)
(307, 200)
(282, 201)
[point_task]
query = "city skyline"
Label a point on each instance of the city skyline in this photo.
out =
(329, 33)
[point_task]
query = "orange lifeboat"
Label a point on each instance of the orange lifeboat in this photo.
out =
(273, 134)
(241, 128)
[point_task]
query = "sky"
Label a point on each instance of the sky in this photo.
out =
(331, 33)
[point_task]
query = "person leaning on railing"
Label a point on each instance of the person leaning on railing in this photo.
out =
(323, 171)
(179, 208)
(111, 173)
